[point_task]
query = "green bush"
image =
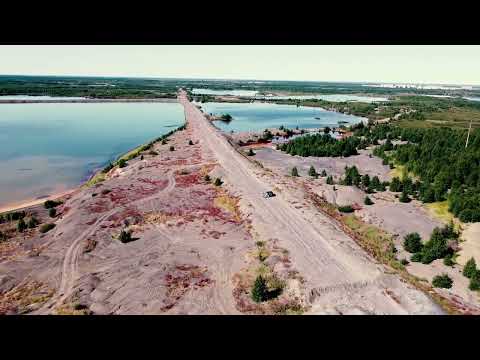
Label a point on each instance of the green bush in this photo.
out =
(412, 243)
(442, 281)
(172, 148)
(404, 262)
(259, 290)
(125, 237)
(122, 163)
(417, 257)
(404, 197)
(312, 172)
(368, 201)
(295, 172)
(324, 173)
(32, 222)
(345, 209)
(218, 182)
(475, 281)
(51, 204)
(107, 168)
(46, 227)
(470, 268)
(448, 260)
(330, 180)
(21, 225)
(52, 212)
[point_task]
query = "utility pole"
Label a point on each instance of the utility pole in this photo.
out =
(468, 135)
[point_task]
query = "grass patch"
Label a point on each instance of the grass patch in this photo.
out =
(228, 204)
(440, 211)
(98, 178)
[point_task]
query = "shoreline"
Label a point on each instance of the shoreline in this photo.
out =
(72, 101)
(32, 202)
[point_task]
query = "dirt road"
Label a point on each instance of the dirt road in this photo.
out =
(339, 276)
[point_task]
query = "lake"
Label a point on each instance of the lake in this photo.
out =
(258, 116)
(50, 148)
(328, 97)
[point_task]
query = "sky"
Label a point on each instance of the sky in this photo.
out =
(376, 63)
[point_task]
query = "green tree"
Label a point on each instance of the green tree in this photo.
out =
(52, 212)
(295, 172)
(122, 163)
(412, 243)
(470, 268)
(312, 172)
(330, 180)
(259, 290)
(32, 222)
(404, 197)
(21, 226)
(368, 201)
(442, 281)
(376, 183)
(475, 281)
(366, 180)
(324, 173)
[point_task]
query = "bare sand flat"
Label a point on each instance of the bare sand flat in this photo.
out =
(470, 247)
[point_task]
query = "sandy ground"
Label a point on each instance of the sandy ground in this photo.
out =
(340, 277)
(471, 245)
(189, 246)
(387, 212)
(32, 202)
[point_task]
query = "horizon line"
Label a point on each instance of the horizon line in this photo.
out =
(233, 79)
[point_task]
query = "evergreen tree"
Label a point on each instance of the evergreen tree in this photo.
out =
(376, 183)
(366, 180)
(442, 281)
(412, 243)
(470, 268)
(324, 173)
(404, 197)
(295, 172)
(312, 172)
(259, 291)
(330, 180)
(368, 201)
(21, 226)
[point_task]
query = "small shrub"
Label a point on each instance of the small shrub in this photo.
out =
(51, 204)
(106, 191)
(404, 262)
(470, 268)
(164, 141)
(324, 173)
(172, 148)
(259, 290)
(345, 209)
(125, 237)
(404, 197)
(107, 168)
(21, 225)
(412, 243)
(207, 178)
(122, 163)
(442, 281)
(46, 227)
(250, 152)
(218, 182)
(32, 222)
(448, 260)
(141, 157)
(417, 257)
(190, 142)
(368, 201)
(153, 153)
(52, 212)
(475, 281)
(330, 180)
(312, 172)
(295, 172)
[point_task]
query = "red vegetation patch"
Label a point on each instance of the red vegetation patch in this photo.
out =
(133, 216)
(161, 184)
(98, 207)
(91, 222)
(184, 181)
